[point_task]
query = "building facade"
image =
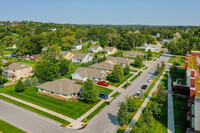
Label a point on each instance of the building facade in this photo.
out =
(192, 66)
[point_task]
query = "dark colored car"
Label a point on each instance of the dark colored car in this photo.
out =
(103, 83)
(103, 95)
(144, 86)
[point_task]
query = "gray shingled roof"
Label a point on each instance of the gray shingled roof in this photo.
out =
(134, 53)
(95, 47)
(64, 53)
(64, 86)
(102, 66)
(89, 72)
(117, 60)
(17, 66)
(79, 56)
(110, 49)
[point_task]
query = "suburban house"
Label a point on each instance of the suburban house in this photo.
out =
(153, 48)
(177, 35)
(81, 58)
(106, 67)
(192, 65)
(119, 60)
(132, 54)
(76, 47)
(95, 48)
(67, 55)
(93, 42)
(137, 31)
(30, 57)
(158, 35)
(82, 73)
(16, 71)
(109, 50)
(61, 89)
(165, 41)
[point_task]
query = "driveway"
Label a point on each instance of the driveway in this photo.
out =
(106, 120)
(30, 121)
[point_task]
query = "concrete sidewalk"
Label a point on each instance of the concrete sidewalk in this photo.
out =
(171, 128)
(139, 112)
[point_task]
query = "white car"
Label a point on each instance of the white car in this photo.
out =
(149, 80)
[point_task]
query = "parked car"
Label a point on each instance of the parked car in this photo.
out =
(153, 76)
(137, 94)
(103, 83)
(103, 95)
(155, 73)
(149, 80)
(144, 86)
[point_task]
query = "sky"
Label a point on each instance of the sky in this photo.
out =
(143, 12)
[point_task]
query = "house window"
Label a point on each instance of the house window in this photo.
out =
(193, 122)
(193, 107)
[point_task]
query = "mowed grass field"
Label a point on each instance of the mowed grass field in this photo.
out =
(179, 59)
(7, 128)
(71, 108)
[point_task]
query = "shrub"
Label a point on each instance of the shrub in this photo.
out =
(35, 81)
(27, 82)
(19, 86)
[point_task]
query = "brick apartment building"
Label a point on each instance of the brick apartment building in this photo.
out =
(192, 66)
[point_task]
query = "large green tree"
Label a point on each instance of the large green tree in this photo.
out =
(45, 69)
(132, 103)
(89, 92)
(117, 73)
(64, 66)
(68, 41)
(122, 115)
(138, 61)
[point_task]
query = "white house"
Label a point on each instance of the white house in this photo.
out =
(81, 58)
(83, 73)
(153, 48)
(95, 48)
(76, 47)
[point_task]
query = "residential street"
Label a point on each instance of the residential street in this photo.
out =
(106, 120)
(29, 121)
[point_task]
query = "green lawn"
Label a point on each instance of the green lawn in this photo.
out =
(134, 65)
(64, 122)
(132, 70)
(134, 78)
(71, 108)
(96, 111)
(115, 94)
(7, 128)
(179, 59)
(122, 81)
(99, 89)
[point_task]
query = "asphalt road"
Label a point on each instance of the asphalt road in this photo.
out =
(106, 120)
(29, 121)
